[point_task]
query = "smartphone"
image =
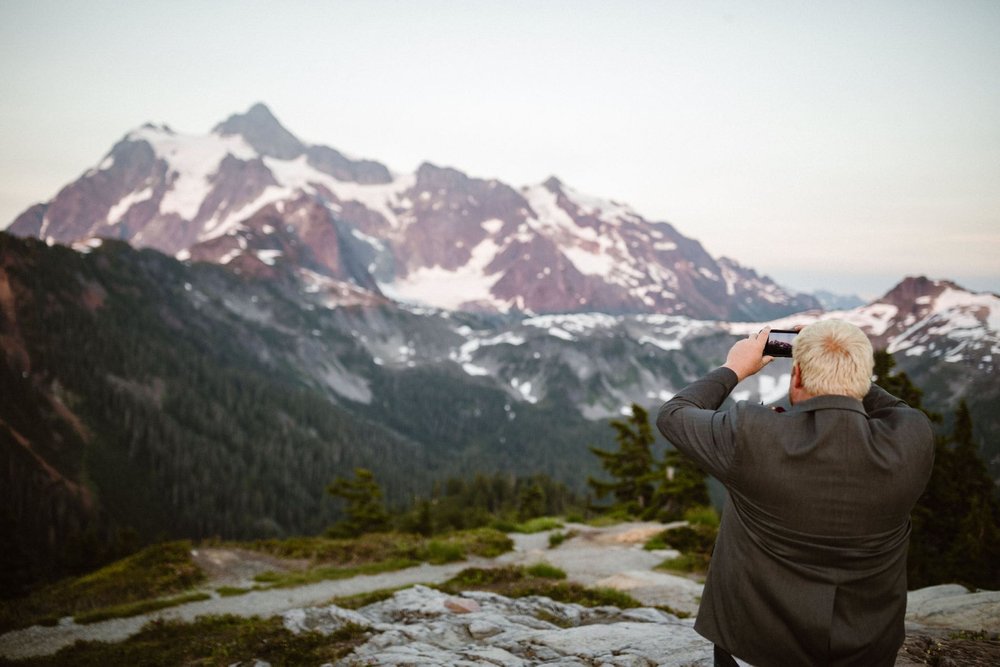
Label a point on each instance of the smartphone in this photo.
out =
(779, 342)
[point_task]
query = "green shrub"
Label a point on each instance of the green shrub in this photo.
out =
(485, 542)
(504, 525)
(439, 552)
(555, 539)
(694, 563)
(538, 525)
(691, 539)
(232, 591)
(545, 571)
(702, 516)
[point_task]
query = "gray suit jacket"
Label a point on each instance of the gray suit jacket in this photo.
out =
(810, 564)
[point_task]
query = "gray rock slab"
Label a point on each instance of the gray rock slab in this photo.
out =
(954, 606)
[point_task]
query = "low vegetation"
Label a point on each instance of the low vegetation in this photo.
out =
(558, 537)
(373, 548)
(544, 580)
(163, 575)
(210, 640)
(228, 640)
(148, 575)
(695, 541)
(536, 525)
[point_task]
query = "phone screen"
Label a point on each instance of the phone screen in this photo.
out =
(779, 343)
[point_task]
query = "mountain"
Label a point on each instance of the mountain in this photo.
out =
(252, 194)
(946, 338)
(831, 301)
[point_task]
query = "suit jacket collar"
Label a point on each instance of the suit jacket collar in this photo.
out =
(830, 402)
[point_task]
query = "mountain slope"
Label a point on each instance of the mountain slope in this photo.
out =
(436, 237)
(175, 400)
(191, 400)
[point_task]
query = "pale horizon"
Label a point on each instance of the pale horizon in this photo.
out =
(838, 147)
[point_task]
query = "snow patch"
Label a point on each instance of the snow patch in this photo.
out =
(193, 160)
(269, 257)
(668, 345)
(492, 226)
(125, 203)
(443, 288)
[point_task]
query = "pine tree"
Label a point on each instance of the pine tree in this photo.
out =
(366, 512)
(956, 534)
(682, 486)
(531, 501)
(899, 384)
(631, 466)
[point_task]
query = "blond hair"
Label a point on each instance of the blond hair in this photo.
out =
(834, 357)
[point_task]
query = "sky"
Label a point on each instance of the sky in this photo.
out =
(838, 145)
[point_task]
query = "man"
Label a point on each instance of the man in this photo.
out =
(810, 564)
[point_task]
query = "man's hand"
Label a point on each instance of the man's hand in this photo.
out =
(746, 357)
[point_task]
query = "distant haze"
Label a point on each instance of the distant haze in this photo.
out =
(836, 146)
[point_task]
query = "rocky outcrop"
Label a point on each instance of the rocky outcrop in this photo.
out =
(954, 606)
(422, 626)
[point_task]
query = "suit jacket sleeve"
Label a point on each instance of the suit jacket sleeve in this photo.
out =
(879, 399)
(692, 423)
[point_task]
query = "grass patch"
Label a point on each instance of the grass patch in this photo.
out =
(210, 640)
(690, 563)
(702, 516)
(360, 600)
(557, 538)
(538, 525)
(292, 579)
(136, 608)
(516, 582)
(545, 571)
(695, 542)
(152, 573)
(380, 547)
(232, 591)
(439, 552)
(605, 520)
(336, 551)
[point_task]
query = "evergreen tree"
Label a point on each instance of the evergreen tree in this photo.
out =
(366, 512)
(531, 501)
(956, 534)
(899, 384)
(631, 466)
(682, 486)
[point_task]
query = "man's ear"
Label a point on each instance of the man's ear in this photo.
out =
(796, 376)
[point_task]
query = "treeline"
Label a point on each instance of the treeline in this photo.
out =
(501, 500)
(956, 523)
